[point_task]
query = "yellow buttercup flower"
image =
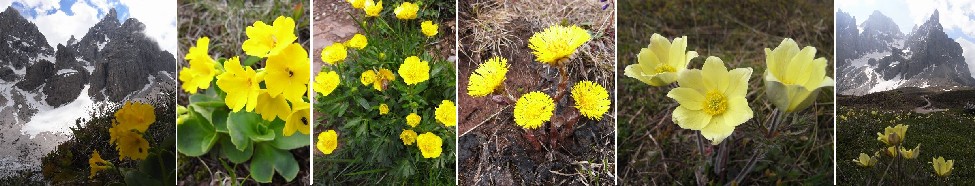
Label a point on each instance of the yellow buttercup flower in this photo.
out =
(268, 40)
(383, 109)
(712, 100)
(135, 116)
(430, 145)
(201, 69)
(358, 4)
(414, 71)
(327, 141)
(794, 78)
(272, 107)
(429, 29)
(533, 109)
(358, 41)
(413, 119)
(326, 82)
(661, 62)
(298, 120)
(373, 8)
(865, 161)
(893, 135)
(488, 77)
(447, 113)
(556, 44)
(408, 137)
(941, 167)
(97, 164)
(406, 10)
(131, 145)
(383, 77)
(334, 54)
(911, 154)
(242, 85)
(591, 99)
(287, 74)
(368, 77)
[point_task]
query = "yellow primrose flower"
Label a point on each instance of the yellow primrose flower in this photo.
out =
(911, 154)
(97, 164)
(287, 74)
(268, 40)
(591, 99)
(334, 54)
(327, 141)
(556, 44)
(414, 71)
(941, 167)
(201, 69)
(298, 120)
(794, 78)
(712, 100)
(135, 116)
(429, 29)
(893, 135)
(367, 77)
(408, 137)
(131, 145)
(413, 119)
(533, 109)
(326, 82)
(373, 8)
(383, 109)
(272, 107)
(358, 4)
(661, 62)
(488, 77)
(358, 41)
(242, 85)
(865, 161)
(406, 10)
(447, 113)
(429, 144)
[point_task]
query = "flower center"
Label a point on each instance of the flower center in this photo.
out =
(665, 68)
(715, 103)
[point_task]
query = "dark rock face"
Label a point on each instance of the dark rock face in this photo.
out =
(126, 62)
(64, 88)
(847, 37)
(37, 74)
(879, 33)
(7, 74)
(22, 40)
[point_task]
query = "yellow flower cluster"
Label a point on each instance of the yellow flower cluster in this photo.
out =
(533, 109)
(414, 71)
(447, 113)
(430, 145)
(591, 99)
(269, 40)
(327, 141)
(131, 121)
(201, 70)
(412, 120)
(406, 10)
(488, 77)
(428, 28)
(408, 137)
(556, 44)
(712, 100)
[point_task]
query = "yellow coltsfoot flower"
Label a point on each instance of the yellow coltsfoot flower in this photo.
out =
(334, 54)
(712, 100)
(383, 109)
(298, 119)
(372, 8)
(533, 109)
(326, 82)
(794, 78)
(911, 154)
(429, 29)
(556, 44)
(661, 62)
(865, 161)
(893, 135)
(447, 113)
(406, 11)
(201, 70)
(591, 99)
(488, 77)
(408, 137)
(430, 145)
(97, 164)
(242, 85)
(941, 167)
(272, 107)
(358, 41)
(412, 120)
(414, 71)
(327, 141)
(268, 40)
(287, 74)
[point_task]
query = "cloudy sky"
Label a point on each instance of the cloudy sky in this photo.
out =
(59, 20)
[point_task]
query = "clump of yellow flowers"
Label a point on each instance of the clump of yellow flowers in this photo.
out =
(127, 135)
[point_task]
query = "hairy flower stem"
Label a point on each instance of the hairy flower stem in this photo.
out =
(778, 116)
(705, 159)
(563, 82)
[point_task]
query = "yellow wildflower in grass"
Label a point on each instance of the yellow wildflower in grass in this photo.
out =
(430, 145)
(298, 120)
(941, 167)
(794, 78)
(368, 77)
(135, 116)
(358, 41)
(406, 10)
(533, 109)
(661, 62)
(268, 40)
(865, 161)
(242, 85)
(383, 109)
(334, 54)
(131, 145)
(326, 82)
(591, 99)
(201, 70)
(447, 113)
(413, 119)
(556, 44)
(893, 135)
(414, 71)
(712, 100)
(327, 141)
(288, 73)
(383, 77)
(911, 154)
(358, 4)
(892, 152)
(488, 77)
(373, 8)
(97, 164)
(408, 137)
(429, 29)
(272, 107)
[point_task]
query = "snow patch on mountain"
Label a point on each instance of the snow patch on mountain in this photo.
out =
(59, 120)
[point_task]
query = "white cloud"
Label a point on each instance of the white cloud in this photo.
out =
(952, 15)
(40, 5)
(5, 3)
(160, 19)
(968, 49)
(59, 26)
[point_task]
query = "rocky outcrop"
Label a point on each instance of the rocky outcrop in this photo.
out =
(37, 74)
(22, 42)
(847, 37)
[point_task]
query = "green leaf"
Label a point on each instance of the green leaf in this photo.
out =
(362, 102)
(220, 119)
(268, 159)
(245, 127)
(196, 137)
(134, 177)
(294, 141)
(250, 60)
(229, 151)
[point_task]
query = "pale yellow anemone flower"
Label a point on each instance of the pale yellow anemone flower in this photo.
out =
(712, 100)
(941, 167)
(893, 135)
(661, 62)
(794, 78)
(865, 161)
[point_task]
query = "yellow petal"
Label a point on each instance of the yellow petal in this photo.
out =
(688, 98)
(690, 119)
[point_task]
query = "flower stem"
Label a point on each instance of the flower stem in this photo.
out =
(563, 82)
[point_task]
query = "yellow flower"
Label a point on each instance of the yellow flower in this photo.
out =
(242, 85)
(131, 145)
(272, 107)
(487, 77)
(367, 77)
(911, 154)
(413, 119)
(287, 74)
(941, 167)
(414, 71)
(429, 144)
(298, 120)
(334, 54)
(201, 70)
(406, 10)
(358, 4)
(135, 116)
(661, 62)
(326, 82)
(429, 29)
(383, 77)
(266, 40)
(591, 99)
(447, 113)
(533, 109)
(97, 164)
(327, 141)
(408, 137)
(357, 41)
(383, 109)
(794, 78)
(556, 44)
(865, 161)
(892, 152)
(373, 8)
(712, 100)
(893, 135)
(182, 114)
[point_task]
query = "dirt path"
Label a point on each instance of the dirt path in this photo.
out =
(927, 108)
(331, 24)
